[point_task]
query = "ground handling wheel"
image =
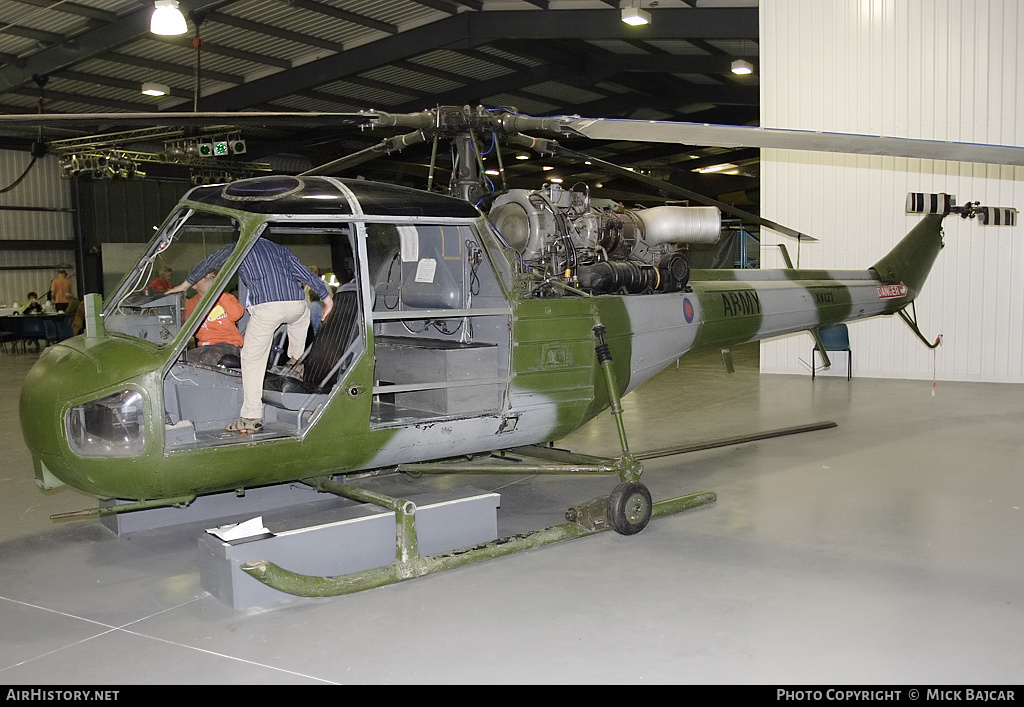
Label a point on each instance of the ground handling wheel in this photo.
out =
(629, 508)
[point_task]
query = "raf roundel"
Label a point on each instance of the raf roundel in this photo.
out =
(688, 310)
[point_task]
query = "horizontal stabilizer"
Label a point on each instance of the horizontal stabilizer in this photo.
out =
(921, 203)
(997, 216)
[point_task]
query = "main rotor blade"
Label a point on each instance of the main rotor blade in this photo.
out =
(750, 136)
(296, 119)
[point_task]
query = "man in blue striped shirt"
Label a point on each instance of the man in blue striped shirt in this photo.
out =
(273, 277)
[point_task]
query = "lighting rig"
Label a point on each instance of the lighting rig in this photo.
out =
(212, 153)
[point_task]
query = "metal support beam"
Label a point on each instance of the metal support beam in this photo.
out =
(475, 28)
(90, 44)
(33, 244)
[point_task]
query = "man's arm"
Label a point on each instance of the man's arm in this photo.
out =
(305, 275)
(179, 288)
(214, 261)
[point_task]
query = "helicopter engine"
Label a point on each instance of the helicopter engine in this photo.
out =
(598, 245)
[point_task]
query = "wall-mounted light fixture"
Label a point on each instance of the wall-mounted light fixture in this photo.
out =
(167, 18)
(155, 89)
(742, 68)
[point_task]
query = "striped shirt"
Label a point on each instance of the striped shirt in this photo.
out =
(270, 273)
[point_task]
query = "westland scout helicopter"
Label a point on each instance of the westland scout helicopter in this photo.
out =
(458, 334)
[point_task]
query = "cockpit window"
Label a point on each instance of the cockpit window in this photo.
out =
(140, 307)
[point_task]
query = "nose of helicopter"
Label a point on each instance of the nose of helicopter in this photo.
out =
(82, 406)
(58, 376)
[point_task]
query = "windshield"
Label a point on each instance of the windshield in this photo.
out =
(139, 308)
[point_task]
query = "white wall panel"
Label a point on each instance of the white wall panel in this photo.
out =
(931, 69)
(22, 271)
(41, 187)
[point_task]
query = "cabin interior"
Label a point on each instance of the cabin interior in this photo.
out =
(440, 340)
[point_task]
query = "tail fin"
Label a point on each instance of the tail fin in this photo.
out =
(911, 260)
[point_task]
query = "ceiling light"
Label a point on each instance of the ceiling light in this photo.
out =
(742, 68)
(547, 168)
(523, 156)
(556, 180)
(635, 16)
(155, 89)
(167, 18)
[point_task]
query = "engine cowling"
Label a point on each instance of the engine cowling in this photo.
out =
(530, 221)
(598, 244)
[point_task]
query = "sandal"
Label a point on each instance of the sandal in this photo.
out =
(246, 425)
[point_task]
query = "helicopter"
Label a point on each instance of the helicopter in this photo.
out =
(474, 324)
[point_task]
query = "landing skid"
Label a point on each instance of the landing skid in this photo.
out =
(627, 510)
(409, 564)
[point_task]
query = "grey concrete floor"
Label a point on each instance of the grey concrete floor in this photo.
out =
(889, 550)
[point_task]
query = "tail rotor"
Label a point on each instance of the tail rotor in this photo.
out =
(922, 203)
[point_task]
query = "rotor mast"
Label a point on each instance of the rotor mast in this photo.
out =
(462, 124)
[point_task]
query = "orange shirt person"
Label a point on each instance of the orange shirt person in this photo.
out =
(219, 335)
(163, 282)
(60, 290)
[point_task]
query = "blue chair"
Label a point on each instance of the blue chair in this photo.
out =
(64, 330)
(834, 337)
(50, 329)
(32, 329)
(11, 327)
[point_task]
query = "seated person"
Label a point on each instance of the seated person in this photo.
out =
(219, 335)
(162, 283)
(33, 306)
(78, 323)
(72, 308)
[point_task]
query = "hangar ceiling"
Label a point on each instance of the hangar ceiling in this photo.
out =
(542, 57)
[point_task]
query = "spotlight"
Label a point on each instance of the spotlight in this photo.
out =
(167, 18)
(635, 16)
(206, 149)
(69, 165)
(220, 148)
(237, 146)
